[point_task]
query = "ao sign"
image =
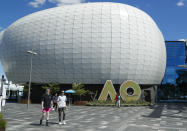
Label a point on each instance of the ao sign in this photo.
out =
(129, 91)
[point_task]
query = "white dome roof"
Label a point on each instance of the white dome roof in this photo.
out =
(88, 43)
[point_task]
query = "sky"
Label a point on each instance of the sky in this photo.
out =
(170, 15)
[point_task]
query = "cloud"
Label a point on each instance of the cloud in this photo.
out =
(180, 3)
(37, 3)
(65, 2)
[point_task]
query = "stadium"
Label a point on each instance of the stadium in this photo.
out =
(88, 43)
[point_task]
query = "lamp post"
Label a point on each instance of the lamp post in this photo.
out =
(2, 82)
(1, 91)
(31, 53)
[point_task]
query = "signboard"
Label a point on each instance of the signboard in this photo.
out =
(129, 91)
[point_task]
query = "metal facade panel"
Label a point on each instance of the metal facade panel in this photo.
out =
(99, 41)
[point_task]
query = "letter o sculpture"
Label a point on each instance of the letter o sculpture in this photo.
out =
(123, 91)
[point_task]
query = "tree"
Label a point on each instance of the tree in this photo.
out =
(54, 87)
(79, 90)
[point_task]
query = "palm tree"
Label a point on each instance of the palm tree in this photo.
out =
(54, 87)
(79, 90)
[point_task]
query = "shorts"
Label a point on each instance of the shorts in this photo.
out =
(118, 103)
(61, 108)
(46, 110)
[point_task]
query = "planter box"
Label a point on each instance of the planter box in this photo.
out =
(81, 103)
(24, 101)
(2, 129)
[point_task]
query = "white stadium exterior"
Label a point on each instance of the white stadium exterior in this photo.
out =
(88, 43)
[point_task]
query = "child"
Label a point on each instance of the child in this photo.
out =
(118, 100)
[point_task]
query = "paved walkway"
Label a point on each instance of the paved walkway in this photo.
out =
(162, 117)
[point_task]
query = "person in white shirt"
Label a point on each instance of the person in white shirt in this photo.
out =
(61, 101)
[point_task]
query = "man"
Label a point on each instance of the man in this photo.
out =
(47, 103)
(61, 107)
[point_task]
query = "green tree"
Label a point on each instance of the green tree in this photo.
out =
(54, 87)
(79, 89)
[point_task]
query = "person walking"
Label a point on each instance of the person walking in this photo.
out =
(118, 100)
(47, 103)
(61, 107)
(55, 98)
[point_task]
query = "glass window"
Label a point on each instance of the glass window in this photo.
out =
(176, 55)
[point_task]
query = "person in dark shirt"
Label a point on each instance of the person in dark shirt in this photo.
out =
(47, 103)
(55, 101)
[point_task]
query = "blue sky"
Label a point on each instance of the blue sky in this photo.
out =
(170, 15)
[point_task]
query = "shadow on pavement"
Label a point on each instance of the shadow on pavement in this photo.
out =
(37, 124)
(158, 109)
(53, 123)
(34, 124)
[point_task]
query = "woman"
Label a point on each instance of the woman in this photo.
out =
(61, 107)
(116, 99)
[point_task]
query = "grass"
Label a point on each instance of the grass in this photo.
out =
(112, 103)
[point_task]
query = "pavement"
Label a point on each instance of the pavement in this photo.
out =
(161, 117)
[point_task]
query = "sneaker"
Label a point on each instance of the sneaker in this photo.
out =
(47, 124)
(40, 122)
(64, 122)
(53, 109)
(60, 123)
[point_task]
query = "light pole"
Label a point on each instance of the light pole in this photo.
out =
(2, 82)
(31, 53)
(1, 94)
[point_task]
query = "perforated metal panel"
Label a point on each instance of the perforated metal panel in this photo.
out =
(88, 43)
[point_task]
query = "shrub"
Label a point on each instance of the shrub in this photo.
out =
(1, 116)
(112, 103)
(2, 121)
